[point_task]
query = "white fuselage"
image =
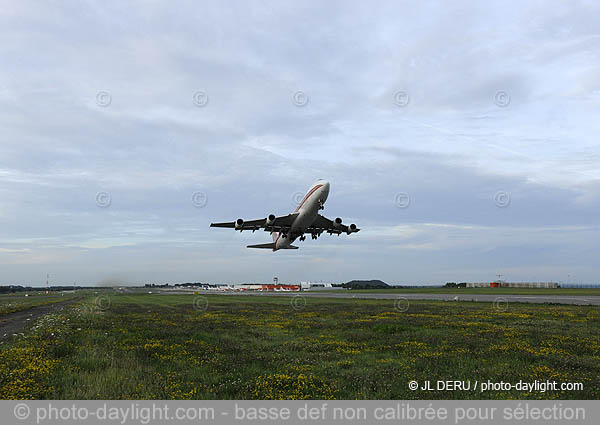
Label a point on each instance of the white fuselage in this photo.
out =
(307, 213)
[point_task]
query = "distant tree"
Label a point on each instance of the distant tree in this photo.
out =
(366, 284)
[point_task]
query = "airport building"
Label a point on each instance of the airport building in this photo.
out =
(268, 287)
(504, 284)
(308, 286)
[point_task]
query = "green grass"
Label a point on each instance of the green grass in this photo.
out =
(247, 347)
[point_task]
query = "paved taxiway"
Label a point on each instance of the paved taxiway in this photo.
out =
(538, 299)
(558, 299)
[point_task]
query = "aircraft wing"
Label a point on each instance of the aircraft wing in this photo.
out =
(281, 223)
(323, 224)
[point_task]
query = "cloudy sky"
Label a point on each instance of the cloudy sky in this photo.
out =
(462, 139)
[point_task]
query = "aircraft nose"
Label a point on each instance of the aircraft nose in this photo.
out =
(325, 184)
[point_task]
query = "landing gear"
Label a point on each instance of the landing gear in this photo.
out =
(302, 238)
(321, 206)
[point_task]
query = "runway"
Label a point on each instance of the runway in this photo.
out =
(13, 323)
(540, 299)
(537, 299)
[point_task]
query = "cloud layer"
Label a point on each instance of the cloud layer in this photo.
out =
(484, 115)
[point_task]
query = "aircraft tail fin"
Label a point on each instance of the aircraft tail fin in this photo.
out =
(263, 245)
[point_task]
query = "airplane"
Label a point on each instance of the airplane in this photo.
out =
(305, 219)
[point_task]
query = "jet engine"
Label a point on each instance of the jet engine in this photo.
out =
(270, 219)
(239, 223)
(337, 223)
(352, 228)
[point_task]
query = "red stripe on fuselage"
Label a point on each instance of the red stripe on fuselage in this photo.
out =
(308, 196)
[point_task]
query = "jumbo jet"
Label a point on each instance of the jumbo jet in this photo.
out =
(305, 219)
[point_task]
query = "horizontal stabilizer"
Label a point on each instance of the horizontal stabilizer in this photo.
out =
(263, 246)
(270, 246)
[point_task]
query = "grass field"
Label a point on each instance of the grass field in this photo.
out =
(211, 347)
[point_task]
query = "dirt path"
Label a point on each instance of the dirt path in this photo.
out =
(13, 323)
